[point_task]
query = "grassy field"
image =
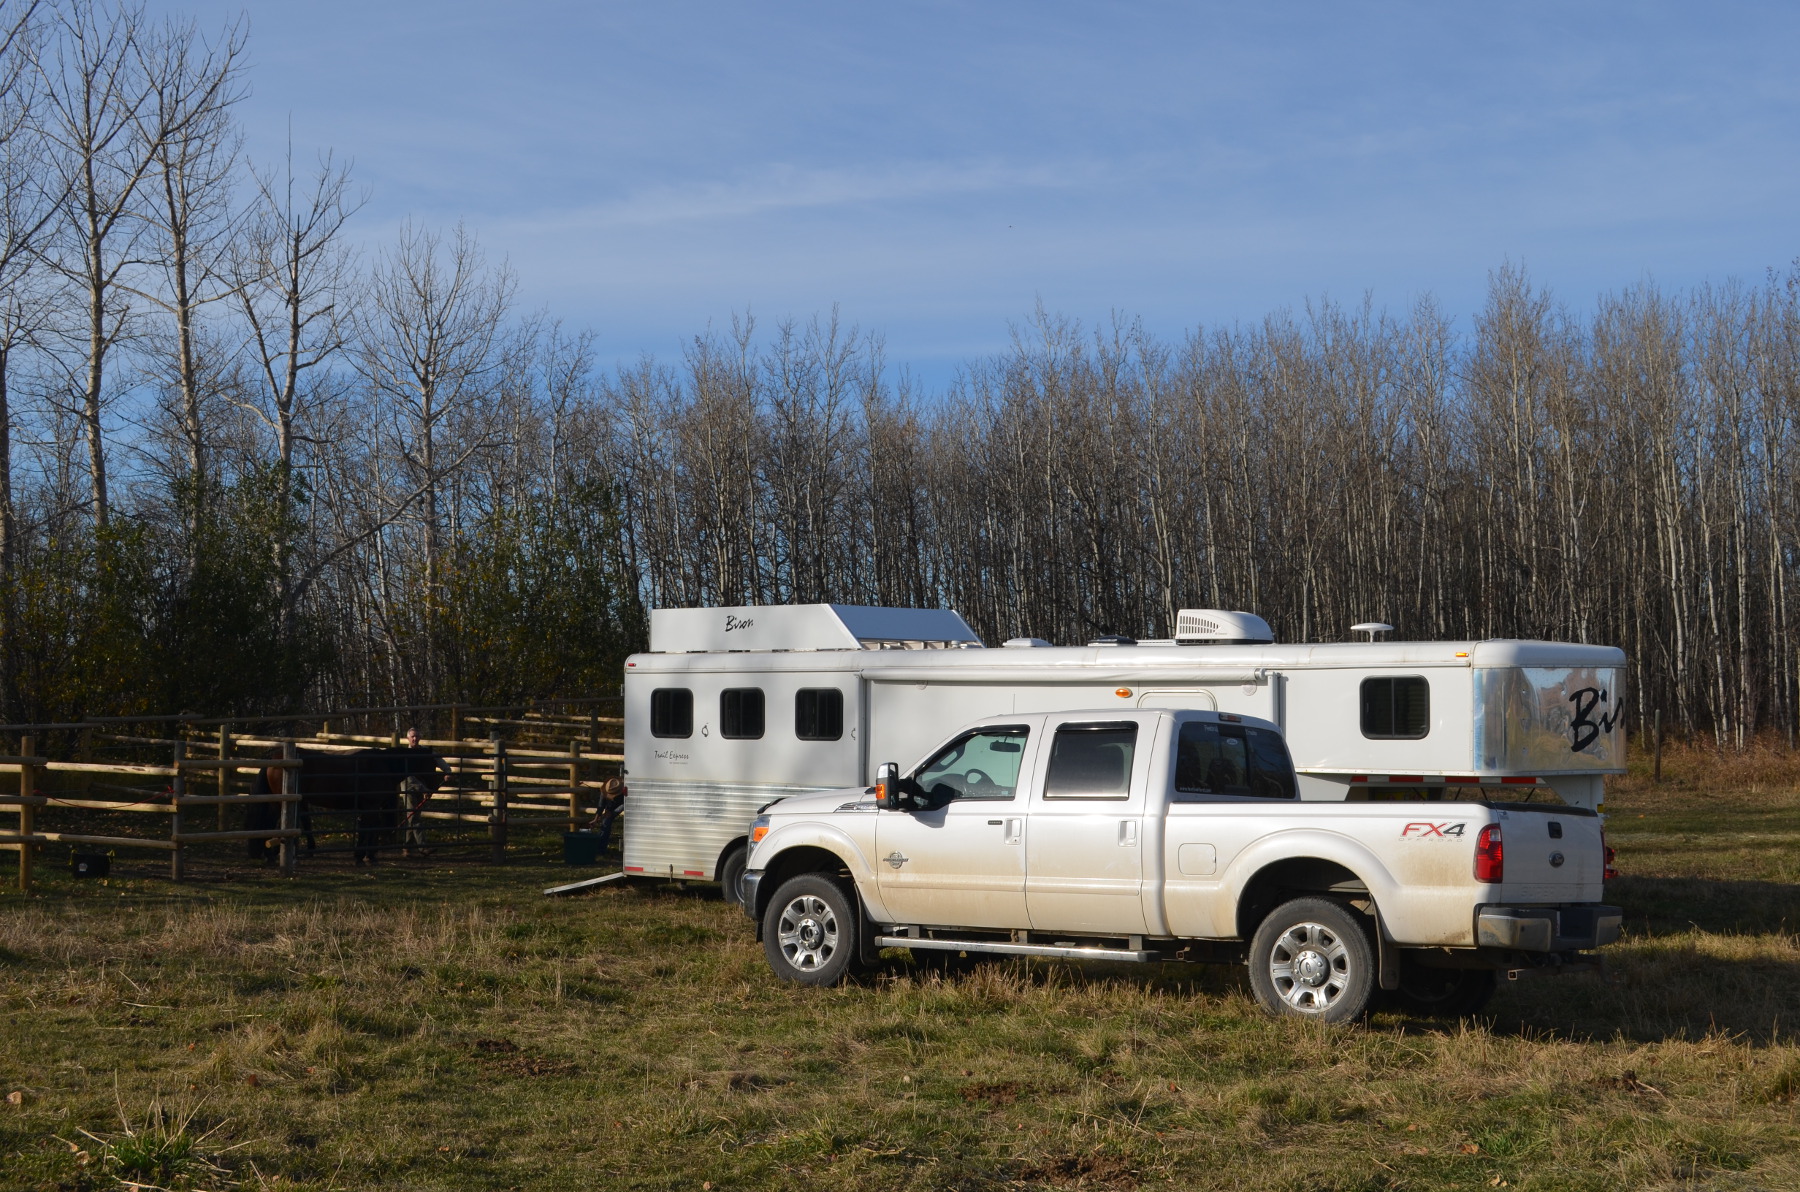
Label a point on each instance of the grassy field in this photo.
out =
(440, 1024)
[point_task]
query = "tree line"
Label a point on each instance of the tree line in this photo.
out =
(247, 465)
(1626, 476)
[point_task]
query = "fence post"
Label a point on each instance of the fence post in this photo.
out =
(574, 785)
(456, 722)
(224, 774)
(27, 820)
(290, 810)
(177, 788)
(497, 821)
(594, 728)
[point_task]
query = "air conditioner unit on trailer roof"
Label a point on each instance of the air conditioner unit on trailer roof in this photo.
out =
(1217, 627)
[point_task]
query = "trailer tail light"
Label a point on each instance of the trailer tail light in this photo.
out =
(1610, 867)
(1490, 856)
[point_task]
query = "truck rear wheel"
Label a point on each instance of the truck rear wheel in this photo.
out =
(1313, 958)
(1441, 992)
(809, 931)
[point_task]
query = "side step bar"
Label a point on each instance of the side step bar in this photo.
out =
(1065, 952)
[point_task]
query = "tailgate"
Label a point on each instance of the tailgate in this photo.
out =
(1553, 854)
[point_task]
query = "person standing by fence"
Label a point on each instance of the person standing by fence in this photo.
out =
(414, 795)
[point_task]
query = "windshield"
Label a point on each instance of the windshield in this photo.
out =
(1232, 759)
(978, 765)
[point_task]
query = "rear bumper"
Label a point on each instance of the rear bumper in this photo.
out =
(1572, 928)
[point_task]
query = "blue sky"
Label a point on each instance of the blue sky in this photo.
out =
(939, 169)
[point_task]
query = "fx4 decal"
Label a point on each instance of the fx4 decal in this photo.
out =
(1422, 830)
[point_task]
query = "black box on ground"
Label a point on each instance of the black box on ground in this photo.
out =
(89, 864)
(581, 848)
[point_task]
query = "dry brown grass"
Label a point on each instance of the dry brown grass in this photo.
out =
(430, 1028)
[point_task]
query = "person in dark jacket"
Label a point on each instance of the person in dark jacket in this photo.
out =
(612, 803)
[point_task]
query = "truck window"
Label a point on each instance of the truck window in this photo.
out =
(1230, 759)
(671, 712)
(1396, 708)
(741, 713)
(1091, 761)
(979, 765)
(819, 714)
(1271, 769)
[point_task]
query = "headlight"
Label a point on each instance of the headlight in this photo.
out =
(759, 828)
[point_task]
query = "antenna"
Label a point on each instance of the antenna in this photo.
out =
(1371, 628)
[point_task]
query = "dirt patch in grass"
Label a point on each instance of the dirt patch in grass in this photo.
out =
(1004, 1093)
(1098, 1170)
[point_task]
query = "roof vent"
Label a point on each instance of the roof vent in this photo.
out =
(1025, 643)
(1216, 627)
(1114, 639)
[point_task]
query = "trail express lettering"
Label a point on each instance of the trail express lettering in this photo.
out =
(1586, 729)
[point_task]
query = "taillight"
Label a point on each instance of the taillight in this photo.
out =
(1490, 855)
(1610, 868)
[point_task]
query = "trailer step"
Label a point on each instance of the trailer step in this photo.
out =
(589, 884)
(1062, 951)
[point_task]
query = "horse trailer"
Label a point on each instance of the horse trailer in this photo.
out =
(733, 708)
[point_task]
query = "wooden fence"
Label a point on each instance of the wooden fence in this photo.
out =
(536, 766)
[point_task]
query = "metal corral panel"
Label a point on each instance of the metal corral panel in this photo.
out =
(803, 627)
(678, 829)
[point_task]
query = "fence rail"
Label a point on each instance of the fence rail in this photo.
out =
(535, 766)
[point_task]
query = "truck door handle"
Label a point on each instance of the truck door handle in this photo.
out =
(1127, 832)
(1014, 829)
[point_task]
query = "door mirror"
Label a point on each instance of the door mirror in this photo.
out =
(887, 786)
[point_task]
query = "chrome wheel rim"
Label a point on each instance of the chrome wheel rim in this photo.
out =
(1310, 967)
(808, 933)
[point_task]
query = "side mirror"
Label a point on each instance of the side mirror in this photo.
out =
(887, 786)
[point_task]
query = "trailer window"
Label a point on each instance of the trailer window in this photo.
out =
(741, 713)
(819, 714)
(1396, 708)
(1232, 759)
(981, 765)
(671, 712)
(1091, 761)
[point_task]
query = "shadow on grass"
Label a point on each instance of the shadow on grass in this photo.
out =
(1656, 906)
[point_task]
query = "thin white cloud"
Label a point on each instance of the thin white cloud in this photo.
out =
(787, 188)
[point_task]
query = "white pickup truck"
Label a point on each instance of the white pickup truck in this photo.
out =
(1177, 835)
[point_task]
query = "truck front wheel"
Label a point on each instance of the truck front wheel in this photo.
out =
(1313, 958)
(809, 930)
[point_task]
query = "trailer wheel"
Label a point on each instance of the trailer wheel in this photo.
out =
(731, 876)
(1313, 958)
(1440, 992)
(809, 931)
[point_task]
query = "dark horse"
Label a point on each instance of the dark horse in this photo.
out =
(365, 782)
